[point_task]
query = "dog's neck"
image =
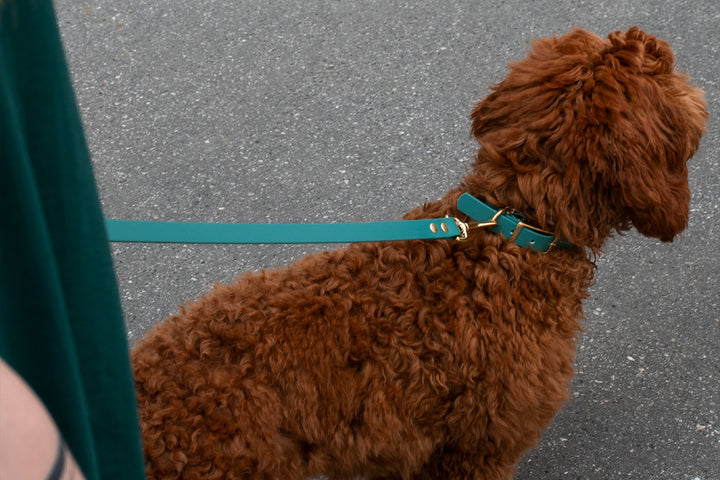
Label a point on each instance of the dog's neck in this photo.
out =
(499, 186)
(538, 192)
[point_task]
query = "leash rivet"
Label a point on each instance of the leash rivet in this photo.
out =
(433, 228)
(444, 227)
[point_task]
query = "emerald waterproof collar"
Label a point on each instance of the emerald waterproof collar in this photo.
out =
(504, 222)
(510, 226)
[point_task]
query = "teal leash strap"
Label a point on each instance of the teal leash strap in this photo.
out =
(254, 233)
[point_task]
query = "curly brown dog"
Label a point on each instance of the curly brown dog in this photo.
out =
(434, 359)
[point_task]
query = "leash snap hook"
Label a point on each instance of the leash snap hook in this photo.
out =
(465, 227)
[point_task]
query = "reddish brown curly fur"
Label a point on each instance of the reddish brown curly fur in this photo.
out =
(433, 359)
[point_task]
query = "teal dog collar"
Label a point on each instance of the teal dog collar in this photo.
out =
(508, 225)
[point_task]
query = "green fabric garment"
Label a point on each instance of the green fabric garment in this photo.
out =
(61, 325)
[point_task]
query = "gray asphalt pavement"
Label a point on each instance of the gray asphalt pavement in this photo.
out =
(286, 111)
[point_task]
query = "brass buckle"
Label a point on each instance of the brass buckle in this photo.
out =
(552, 245)
(518, 228)
(522, 225)
(465, 227)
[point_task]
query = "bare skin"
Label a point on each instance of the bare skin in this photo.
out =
(31, 447)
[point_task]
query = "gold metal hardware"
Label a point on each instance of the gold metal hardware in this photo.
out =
(433, 228)
(537, 229)
(465, 227)
(516, 231)
(552, 245)
(522, 225)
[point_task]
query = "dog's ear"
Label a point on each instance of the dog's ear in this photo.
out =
(654, 121)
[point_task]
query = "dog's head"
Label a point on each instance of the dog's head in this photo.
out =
(592, 135)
